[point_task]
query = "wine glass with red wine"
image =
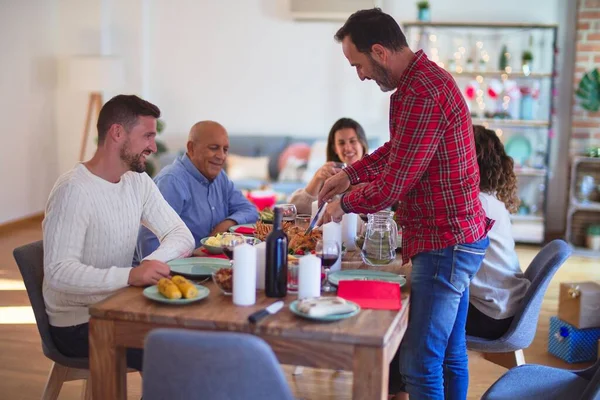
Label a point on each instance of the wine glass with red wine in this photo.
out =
(229, 241)
(328, 252)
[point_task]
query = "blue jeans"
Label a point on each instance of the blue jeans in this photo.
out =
(433, 354)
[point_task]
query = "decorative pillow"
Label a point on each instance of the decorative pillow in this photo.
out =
(292, 170)
(240, 167)
(300, 151)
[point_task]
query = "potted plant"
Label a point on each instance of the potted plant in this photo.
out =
(526, 59)
(588, 94)
(482, 65)
(503, 60)
(152, 161)
(424, 14)
(469, 66)
(589, 91)
(592, 238)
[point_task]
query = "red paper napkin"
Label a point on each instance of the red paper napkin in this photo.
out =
(371, 294)
(214, 255)
(245, 230)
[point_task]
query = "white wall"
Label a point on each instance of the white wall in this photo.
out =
(28, 165)
(249, 66)
(78, 33)
(513, 11)
(246, 64)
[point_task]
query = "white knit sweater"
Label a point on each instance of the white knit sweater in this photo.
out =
(90, 233)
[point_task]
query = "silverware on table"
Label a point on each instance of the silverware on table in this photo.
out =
(314, 220)
(270, 310)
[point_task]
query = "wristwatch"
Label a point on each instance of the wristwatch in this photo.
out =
(346, 211)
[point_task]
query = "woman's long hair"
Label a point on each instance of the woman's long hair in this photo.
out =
(496, 168)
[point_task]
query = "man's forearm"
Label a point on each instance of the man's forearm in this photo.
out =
(223, 226)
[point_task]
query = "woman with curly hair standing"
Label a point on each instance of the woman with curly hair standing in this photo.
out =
(499, 285)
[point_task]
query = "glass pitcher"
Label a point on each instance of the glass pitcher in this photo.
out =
(381, 236)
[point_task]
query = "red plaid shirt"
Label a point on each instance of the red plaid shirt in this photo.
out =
(429, 164)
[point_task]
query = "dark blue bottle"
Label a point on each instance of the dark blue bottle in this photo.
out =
(276, 268)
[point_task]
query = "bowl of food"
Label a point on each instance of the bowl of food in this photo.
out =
(217, 244)
(223, 278)
(212, 244)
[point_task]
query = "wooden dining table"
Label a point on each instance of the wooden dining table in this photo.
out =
(364, 344)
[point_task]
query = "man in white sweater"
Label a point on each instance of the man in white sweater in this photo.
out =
(92, 222)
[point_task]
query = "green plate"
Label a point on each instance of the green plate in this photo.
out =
(233, 228)
(198, 267)
(519, 148)
(329, 318)
(365, 275)
(152, 293)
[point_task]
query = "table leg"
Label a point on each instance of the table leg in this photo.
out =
(108, 364)
(370, 374)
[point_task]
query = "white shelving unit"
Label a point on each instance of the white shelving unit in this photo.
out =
(467, 51)
(581, 214)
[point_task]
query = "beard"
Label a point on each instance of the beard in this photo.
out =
(382, 76)
(132, 160)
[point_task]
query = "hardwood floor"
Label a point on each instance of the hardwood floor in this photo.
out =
(24, 369)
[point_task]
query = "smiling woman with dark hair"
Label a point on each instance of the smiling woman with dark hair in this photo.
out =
(346, 144)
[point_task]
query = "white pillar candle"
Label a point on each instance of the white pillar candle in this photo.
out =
(244, 275)
(309, 277)
(349, 225)
(261, 262)
(332, 232)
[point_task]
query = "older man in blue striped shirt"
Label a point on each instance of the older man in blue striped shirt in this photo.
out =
(198, 189)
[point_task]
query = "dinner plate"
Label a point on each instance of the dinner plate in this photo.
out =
(152, 293)
(365, 275)
(198, 267)
(329, 318)
(519, 148)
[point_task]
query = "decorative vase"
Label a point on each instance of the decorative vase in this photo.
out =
(469, 67)
(526, 106)
(526, 67)
(593, 242)
(424, 15)
(451, 65)
(482, 65)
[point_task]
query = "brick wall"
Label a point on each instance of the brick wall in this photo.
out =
(586, 125)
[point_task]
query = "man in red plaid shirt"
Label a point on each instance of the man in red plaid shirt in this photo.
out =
(430, 167)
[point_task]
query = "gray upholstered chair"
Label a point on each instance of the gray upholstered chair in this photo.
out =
(508, 350)
(184, 364)
(534, 382)
(30, 260)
